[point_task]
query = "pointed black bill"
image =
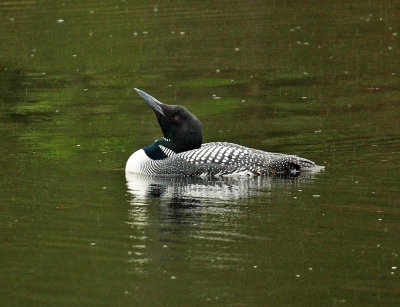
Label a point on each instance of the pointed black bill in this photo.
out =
(152, 102)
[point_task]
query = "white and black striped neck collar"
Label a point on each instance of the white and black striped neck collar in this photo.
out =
(160, 149)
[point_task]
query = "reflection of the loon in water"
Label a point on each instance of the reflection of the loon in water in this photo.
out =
(167, 213)
(186, 190)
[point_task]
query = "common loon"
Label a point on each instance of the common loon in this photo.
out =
(181, 152)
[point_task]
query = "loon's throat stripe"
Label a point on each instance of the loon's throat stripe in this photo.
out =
(167, 151)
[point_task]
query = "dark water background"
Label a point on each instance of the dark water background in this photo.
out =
(318, 79)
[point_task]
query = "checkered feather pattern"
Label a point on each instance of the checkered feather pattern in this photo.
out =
(221, 158)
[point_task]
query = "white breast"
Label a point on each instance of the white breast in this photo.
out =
(137, 162)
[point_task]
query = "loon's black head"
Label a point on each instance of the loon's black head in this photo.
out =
(178, 125)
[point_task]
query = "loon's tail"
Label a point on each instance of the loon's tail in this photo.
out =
(291, 165)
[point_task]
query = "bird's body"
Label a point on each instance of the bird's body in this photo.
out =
(169, 155)
(216, 159)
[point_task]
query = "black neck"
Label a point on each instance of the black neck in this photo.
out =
(154, 151)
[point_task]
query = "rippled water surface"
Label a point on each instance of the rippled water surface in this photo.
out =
(319, 79)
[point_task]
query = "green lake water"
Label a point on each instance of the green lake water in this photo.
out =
(319, 79)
